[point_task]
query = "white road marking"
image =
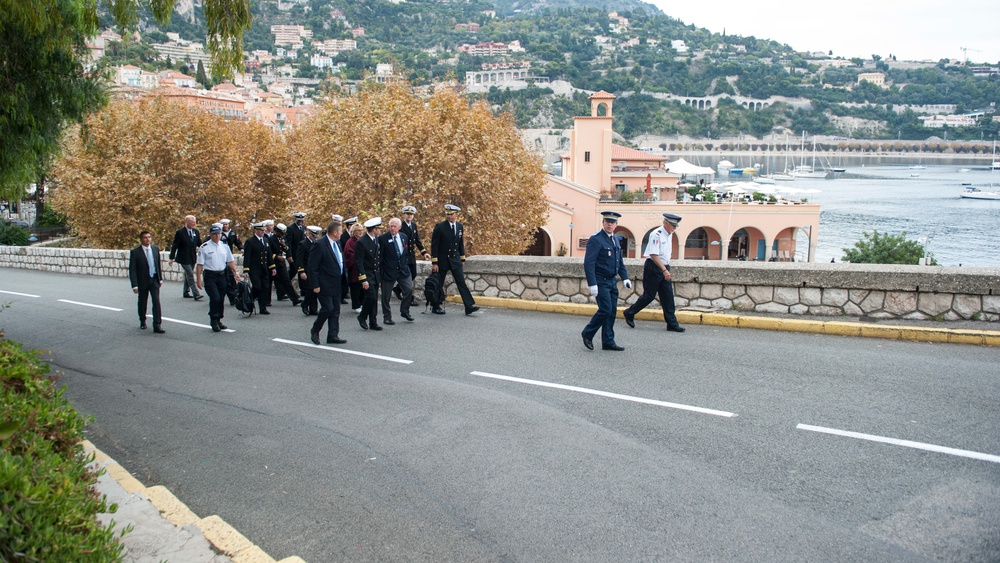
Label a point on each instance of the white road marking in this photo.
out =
(605, 394)
(189, 323)
(21, 294)
(904, 443)
(89, 305)
(343, 351)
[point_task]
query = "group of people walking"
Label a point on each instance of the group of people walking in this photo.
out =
(346, 260)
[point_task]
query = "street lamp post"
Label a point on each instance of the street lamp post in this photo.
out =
(809, 249)
(571, 238)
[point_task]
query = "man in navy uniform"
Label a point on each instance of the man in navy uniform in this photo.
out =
(409, 228)
(368, 263)
(395, 269)
(293, 236)
(309, 302)
(602, 264)
(214, 260)
(656, 278)
(258, 265)
(325, 274)
(448, 253)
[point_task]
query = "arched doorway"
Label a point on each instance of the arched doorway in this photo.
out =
(627, 241)
(541, 246)
(702, 244)
(747, 243)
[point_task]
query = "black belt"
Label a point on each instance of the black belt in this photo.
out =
(216, 272)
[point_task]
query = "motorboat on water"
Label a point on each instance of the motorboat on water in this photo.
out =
(972, 192)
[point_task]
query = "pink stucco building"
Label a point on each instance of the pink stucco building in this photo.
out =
(596, 173)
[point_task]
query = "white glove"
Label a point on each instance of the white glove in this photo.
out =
(628, 284)
(593, 291)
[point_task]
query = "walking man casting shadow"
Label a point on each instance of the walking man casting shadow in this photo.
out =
(448, 253)
(184, 251)
(656, 278)
(146, 276)
(602, 264)
(325, 274)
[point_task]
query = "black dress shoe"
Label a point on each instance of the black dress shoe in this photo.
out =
(414, 302)
(305, 310)
(629, 319)
(388, 322)
(158, 330)
(314, 336)
(472, 309)
(343, 301)
(407, 317)
(588, 342)
(142, 325)
(376, 327)
(296, 302)
(363, 322)
(187, 296)
(215, 326)
(222, 326)
(264, 311)
(282, 298)
(199, 297)
(676, 328)
(614, 347)
(335, 340)
(437, 311)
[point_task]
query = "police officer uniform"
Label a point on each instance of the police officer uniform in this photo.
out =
(448, 254)
(654, 279)
(213, 261)
(603, 263)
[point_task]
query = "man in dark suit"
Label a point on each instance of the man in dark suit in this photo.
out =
(409, 228)
(325, 274)
(309, 299)
(146, 276)
(395, 269)
(368, 263)
(258, 265)
(448, 253)
(184, 251)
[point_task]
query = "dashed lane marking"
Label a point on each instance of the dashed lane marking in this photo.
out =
(904, 443)
(343, 351)
(90, 305)
(605, 394)
(21, 294)
(189, 323)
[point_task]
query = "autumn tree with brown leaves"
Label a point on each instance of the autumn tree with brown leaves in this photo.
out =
(371, 153)
(145, 165)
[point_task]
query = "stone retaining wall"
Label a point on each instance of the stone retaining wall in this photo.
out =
(857, 290)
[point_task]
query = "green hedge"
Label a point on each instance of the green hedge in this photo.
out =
(12, 235)
(48, 506)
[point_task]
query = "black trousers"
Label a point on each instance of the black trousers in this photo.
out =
(329, 312)
(282, 286)
(309, 297)
(459, 276)
(150, 291)
(369, 303)
(356, 295)
(215, 287)
(654, 284)
(261, 283)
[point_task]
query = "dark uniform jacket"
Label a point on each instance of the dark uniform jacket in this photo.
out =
(184, 250)
(258, 260)
(447, 246)
(414, 237)
(302, 256)
(368, 259)
(293, 237)
(394, 267)
(233, 240)
(604, 258)
(138, 267)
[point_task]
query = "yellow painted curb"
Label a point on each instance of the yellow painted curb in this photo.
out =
(224, 537)
(292, 559)
(836, 328)
(170, 506)
(124, 478)
(252, 555)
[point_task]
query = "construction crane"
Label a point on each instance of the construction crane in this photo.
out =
(965, 51)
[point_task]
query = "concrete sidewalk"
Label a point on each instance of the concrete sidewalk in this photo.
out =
(161, 528)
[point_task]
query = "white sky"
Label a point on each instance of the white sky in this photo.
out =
(908, 29)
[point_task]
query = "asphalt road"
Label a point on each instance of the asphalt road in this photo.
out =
(683, 448)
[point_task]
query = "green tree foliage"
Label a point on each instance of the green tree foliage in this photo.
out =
(42, 83)
(875, 248)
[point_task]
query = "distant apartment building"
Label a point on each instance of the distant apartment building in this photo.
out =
(263, 57)
(129, 75)
(290, 35)
(216, 103)
(938, 121)
(876, 78)
(984, 71)
(321, 61)
(334, 46)
(515, 46)
(358, 32)
(618, 23)
(384, 73)
(632, 42)
(488, 49)
(506, 65)
(178, 79)
(471, 27)
(184, 51)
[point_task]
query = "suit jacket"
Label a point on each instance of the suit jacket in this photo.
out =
(413, 235)
(604, 258)
(257, 257)
(394, 266)
(324, 271)
(302, 256)
(184, 250)
(447, 247)
(138, 267)
(368, 259)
